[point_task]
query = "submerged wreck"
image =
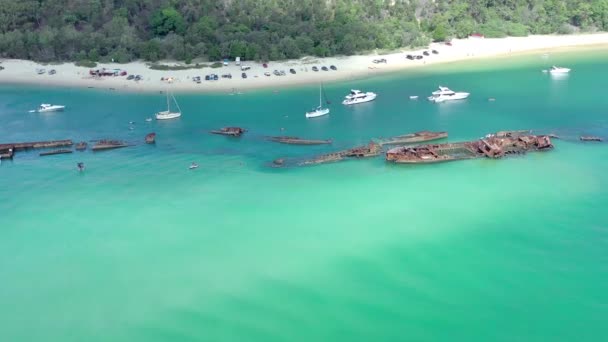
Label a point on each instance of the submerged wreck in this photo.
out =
(370, 150)
(230, 131)
(108, 145)
(36, 144)
(591, 138)
(81, 146)
(413, 138)
(298, 141)
(492, 146)
(7, 153)
(150, 138)
(53, 152)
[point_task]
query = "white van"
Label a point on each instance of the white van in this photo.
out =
(245, 68)
(237, 61)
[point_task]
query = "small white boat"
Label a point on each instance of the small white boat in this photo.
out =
(559, 70)
(446, 94)
(414, 97)
(357, 96)
(148, 119)
(319, 111)
(193, 166)
(168, 114)
(47, 107)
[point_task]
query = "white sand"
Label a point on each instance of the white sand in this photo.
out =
(24, 72)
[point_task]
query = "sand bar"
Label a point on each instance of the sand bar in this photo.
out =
(351, 67)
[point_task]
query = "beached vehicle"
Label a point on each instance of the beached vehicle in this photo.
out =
(292, 71)
(319, 111)
(47, 107)
(410, 57)
(357, 96)
(230, 131)
(324, 68)
(378, 61)
(426, 53)
(130, 77)
(559, 70)
(40, 71)
(333, 67)
(52, 72)
(267, 73)
(227, 76)
(314, 68)
(419, 56)
(244, 75)
(139, 78)
(446, 94)
(435, 52)
(168, 114)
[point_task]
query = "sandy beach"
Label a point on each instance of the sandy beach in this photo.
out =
(351, 67)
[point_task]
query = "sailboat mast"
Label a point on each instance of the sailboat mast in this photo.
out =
(320, 97)
(168, 107)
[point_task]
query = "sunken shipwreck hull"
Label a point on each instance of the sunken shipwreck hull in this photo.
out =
(418, 137)
(298, 141)
(371, 150)
(493, 146)
(230, 131)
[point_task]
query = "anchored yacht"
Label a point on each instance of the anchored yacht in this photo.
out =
(46, 107)
(559, 70)
(357, 96)
(446, 94)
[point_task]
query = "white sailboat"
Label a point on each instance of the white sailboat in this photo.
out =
(319, 111)
(168, 114)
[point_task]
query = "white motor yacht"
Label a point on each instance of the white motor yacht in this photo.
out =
(46, 107)
(559, 70)
(357, 96)
(446, 94)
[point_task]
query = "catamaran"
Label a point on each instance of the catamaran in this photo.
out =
(46, 107)
(357, 96)
(319, 111)
(168, 114)
(446, 94)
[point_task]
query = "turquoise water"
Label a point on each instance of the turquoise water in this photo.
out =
(139, 248)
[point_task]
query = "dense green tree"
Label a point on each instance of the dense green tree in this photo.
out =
(124, 30)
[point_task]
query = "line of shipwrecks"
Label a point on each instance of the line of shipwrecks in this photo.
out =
(492, 146)
(410, 149)
(7, 151)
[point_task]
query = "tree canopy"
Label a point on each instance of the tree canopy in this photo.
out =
(124, 30)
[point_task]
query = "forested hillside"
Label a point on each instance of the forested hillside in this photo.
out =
(124, 30)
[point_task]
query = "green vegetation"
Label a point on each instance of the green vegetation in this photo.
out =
(177, 67)
(86, 64)
(124, 30)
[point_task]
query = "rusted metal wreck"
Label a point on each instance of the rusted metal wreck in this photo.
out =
(298, 141)
(413, 138)
(370, 150)
(230, 131)
(108, 145)
(492, 146)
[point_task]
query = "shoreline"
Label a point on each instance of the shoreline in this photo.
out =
(22, 72)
